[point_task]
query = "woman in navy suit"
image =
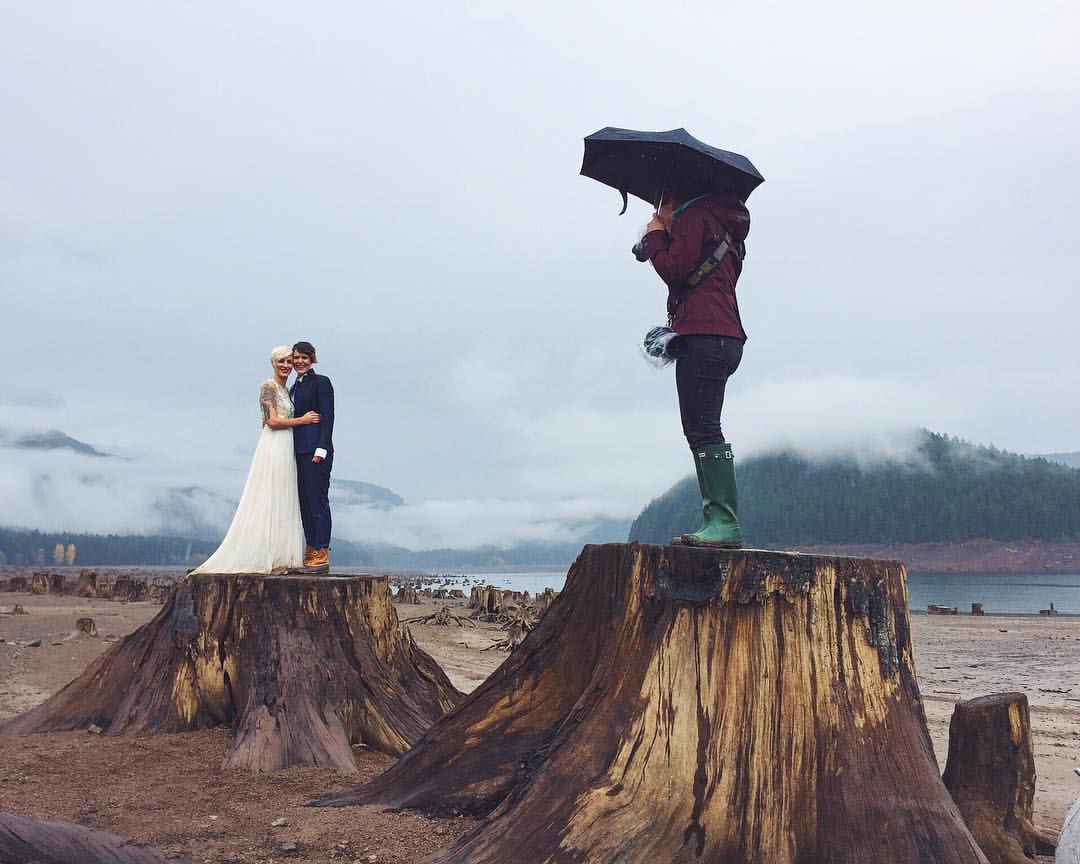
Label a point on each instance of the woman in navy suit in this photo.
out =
(314, 446)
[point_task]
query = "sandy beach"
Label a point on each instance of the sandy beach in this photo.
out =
(168, 790)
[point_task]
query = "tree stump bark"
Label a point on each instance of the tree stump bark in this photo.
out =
(25, 840)
(990, 774)
(302, 668)
(681, 704)
(47, 583)
(86, 586)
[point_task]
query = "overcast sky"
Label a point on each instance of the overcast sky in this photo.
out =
(185, 185)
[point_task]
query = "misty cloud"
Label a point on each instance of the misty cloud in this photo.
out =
(193, 185)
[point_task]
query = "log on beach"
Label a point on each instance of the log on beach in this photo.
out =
(25, 840)
(302, 668)
(681, 704)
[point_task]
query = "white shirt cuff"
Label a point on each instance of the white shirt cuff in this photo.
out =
(320, 452)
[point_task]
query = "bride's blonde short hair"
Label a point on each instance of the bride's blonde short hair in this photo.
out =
(280, 353)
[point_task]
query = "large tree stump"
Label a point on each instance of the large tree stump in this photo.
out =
(25, 840)
(302, 668)
(679, 704)
(990, 774)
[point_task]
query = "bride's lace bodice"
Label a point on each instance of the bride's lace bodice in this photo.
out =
(272, 393)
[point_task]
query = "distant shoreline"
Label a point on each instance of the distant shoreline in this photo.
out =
(966, 556)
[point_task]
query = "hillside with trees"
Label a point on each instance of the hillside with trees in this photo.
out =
(944, 490)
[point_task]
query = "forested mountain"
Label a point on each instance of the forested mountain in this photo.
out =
(946, 489)
(19, 547)
(40, 547)
(1070, 459)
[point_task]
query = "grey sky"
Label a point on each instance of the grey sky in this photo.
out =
(184, 186)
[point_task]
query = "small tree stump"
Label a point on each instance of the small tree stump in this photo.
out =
(990, 774)
(678, 704)
(302, 668)
(86, 585)
(47, 583)
(407, 594)
(25, 840)
(86, 625)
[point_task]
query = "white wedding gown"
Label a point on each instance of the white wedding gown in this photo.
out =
(266, 534)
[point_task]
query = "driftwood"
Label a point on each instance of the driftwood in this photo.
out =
(681, 704)
(443, 618)
(516, 631)
(301, 668)
(25, 840)
(990, 774)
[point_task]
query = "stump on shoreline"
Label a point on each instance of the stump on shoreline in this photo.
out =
(990, 774)
(301, 668)
(681, 704)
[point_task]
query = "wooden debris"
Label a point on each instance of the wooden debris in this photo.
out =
(87, 626)
(407, 594)
(443, 618)
(990, 774)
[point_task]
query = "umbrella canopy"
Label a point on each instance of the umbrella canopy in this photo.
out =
(641, 163)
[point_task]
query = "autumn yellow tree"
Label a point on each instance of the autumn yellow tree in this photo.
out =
(58, 554)
(69, 555)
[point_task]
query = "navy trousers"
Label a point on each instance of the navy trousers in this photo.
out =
(313, 482)
(701, 374)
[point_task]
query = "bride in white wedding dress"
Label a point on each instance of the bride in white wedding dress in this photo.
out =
(266, 534)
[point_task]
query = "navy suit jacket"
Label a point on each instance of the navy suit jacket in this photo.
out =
(314, 393)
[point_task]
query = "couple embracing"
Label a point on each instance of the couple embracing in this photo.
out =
(287, 493)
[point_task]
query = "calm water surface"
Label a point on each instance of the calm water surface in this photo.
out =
(1000, 593)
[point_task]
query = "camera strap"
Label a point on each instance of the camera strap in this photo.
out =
(712, 261)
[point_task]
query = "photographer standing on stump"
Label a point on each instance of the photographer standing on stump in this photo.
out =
(696, 243)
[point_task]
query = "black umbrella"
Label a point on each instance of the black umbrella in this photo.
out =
(641, 163)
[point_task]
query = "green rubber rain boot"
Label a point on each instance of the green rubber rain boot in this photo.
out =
(719, 503)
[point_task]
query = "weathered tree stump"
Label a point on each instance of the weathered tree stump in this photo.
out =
(129, 589)
(407, 594)
(17, 584)
(302, 668)
(990, 774)
(86, 625)
(680, 704)
(86, 584)
(47, 583)
(25, 840)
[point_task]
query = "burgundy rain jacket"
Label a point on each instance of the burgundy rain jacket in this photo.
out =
(710, 307)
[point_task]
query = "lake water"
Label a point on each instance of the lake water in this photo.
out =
(1000, 593)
